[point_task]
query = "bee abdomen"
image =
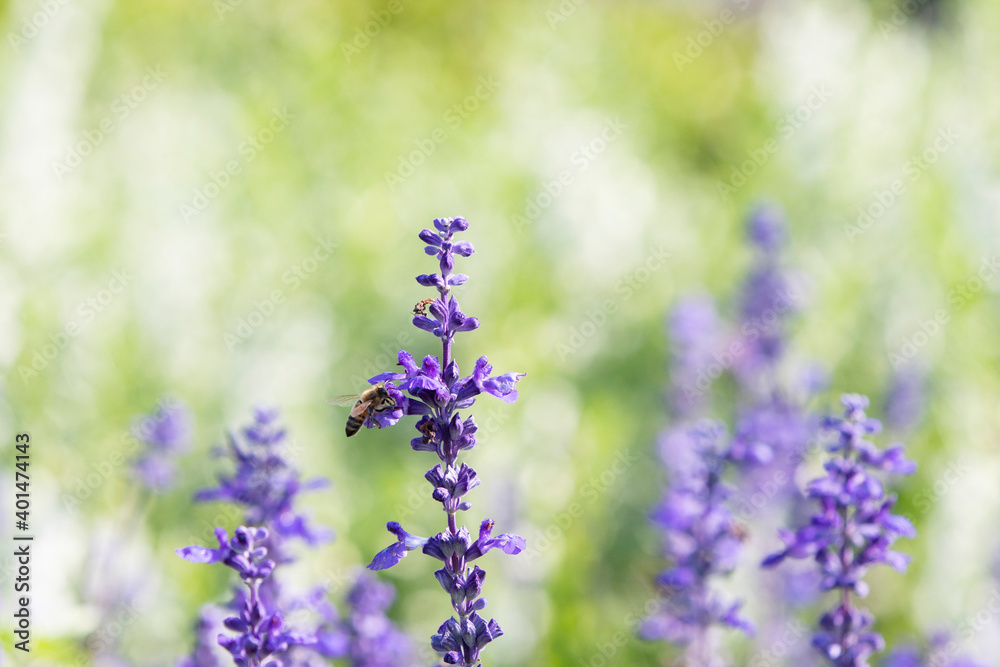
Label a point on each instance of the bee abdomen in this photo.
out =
(353, 425)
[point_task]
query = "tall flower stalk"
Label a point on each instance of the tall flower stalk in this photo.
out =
(266, 485)
(701, 539)
(436, 393)
(700, 515)
(260, 630)
(852, 529)
(165, 434)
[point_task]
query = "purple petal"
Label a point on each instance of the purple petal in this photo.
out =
(388, 557)
(430, 237)
(463, 248)
(199, 554)
(470, 324)
(677, 577)
(425, 323)
(386, 377)
(430, 280)
(405, 359)
(502, 385)
(510, 544)
(773, 559)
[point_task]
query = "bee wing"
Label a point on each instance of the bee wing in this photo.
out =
(361, 409)
(344, 401)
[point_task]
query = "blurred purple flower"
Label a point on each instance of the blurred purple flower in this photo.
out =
(767, 228)
(266, 484)
(260, 633)
(702, 540)
(905, 399)
(938, 652)
(205, 653)
(165, 433)
(853, 529)
(694, 331)
(767, 297)
(435, 391)
(374, 640)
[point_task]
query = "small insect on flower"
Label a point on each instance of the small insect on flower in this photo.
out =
(421, 307)
(372, 400)
(427, 428)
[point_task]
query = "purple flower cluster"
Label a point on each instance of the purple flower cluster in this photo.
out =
(939, 653)
(694, 330)
(853, 529)
(211, 620)
(166, 433)
(701, 537)
(771, 434)
(767, 297)
(266, 485)
(904, 403)
(260, 632)
(436, 392)
(373, 639)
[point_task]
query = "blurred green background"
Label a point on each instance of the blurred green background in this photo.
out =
(203, 152)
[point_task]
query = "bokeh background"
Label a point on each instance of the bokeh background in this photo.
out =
(169, 171)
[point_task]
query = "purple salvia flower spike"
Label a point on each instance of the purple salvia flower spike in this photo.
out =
(261, 633)
(266, 485)
(436, 391)
(165, 433)
(702, 539)
(853, 528)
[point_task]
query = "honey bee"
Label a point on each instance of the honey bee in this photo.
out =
(421, 307)
(372, 400)
(427, 428)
